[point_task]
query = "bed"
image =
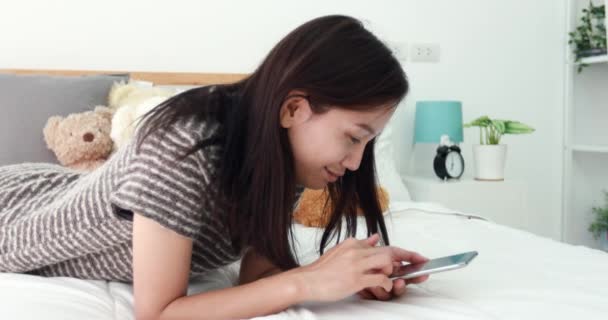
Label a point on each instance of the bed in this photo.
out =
(517, 274)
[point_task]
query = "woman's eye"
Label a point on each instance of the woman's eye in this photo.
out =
(355, 140)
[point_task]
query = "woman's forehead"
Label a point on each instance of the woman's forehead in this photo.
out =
(365, 119)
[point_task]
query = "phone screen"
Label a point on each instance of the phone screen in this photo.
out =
(434, 265)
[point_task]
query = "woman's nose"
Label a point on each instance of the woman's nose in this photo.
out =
(353, 159)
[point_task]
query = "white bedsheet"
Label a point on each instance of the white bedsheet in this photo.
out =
(517, 275)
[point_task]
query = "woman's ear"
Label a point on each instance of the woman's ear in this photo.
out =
(295, 109)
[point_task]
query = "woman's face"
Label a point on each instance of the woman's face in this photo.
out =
(326, 145)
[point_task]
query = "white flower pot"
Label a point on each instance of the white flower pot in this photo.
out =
(489, 161)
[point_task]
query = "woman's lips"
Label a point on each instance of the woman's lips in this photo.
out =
(332, 176)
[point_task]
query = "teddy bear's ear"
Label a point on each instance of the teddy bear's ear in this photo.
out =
(50, 130)
(104, 112)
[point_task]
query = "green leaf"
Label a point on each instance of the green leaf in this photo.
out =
(482, 121)
(516, 127)
(499, 125)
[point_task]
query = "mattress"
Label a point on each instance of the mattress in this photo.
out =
(517, 275)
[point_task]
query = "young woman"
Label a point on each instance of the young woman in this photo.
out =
(213, 175)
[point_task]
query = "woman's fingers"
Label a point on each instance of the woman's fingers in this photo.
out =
(417, 279)
(380, 262)
(380, 294)
(398, 254)
(377, 262)
(399, 287)
(405, 255)
(377, 280)
(366, 294)
(373, 239)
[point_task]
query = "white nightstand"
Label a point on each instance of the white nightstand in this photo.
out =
(503, 202)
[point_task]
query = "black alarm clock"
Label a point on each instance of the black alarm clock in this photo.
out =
(448, 163)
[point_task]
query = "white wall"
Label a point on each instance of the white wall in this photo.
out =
(501, 58)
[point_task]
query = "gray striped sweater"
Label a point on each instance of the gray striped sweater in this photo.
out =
(56, 221)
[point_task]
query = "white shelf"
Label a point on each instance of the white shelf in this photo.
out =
(588, 148)
(595, 59)
(585, 174)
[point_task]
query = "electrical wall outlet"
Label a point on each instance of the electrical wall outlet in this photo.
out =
(424, 52)
(399, 50)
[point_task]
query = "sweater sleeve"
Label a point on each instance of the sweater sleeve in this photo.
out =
(157, 183)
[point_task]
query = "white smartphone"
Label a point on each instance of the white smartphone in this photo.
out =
(452, 262)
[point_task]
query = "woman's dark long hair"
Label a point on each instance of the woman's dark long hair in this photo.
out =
(338, 63)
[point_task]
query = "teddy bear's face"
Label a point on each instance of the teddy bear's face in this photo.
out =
(79, 137)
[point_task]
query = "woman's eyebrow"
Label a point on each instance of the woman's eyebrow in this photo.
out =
(366, 128)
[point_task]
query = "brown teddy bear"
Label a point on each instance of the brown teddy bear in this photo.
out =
(312, 212)
(80, 141)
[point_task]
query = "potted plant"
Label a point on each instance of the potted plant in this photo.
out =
(599, 227)
(589, 38)
(489, 155)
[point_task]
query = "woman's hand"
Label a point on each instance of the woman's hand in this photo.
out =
(399, 288)
(399, 285)
(350, 267)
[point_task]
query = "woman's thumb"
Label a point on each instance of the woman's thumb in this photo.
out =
(373, 239)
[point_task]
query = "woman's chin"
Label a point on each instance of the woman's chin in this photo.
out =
(316, 185)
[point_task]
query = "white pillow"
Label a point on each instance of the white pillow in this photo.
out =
(388, 176)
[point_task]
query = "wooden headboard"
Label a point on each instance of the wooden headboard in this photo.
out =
(159, 78)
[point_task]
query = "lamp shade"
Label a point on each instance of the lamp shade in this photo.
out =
(436, 118)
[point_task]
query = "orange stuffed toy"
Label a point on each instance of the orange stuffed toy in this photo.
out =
(312, 212)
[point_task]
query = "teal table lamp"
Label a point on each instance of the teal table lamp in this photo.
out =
(436, 118)
(439, 123)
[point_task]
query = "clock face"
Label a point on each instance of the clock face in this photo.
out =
(454, 164)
